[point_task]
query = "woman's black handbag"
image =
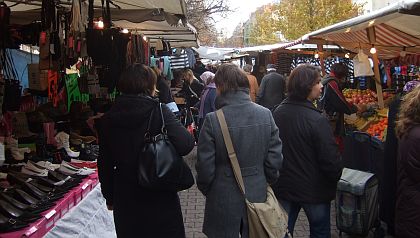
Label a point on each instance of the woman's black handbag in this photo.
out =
(160, 167)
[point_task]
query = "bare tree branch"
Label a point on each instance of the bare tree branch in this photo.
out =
(201, 14)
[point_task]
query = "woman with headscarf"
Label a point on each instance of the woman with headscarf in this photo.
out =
(208, 97)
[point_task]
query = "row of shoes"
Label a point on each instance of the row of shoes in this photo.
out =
(41, 168)
(23, 198)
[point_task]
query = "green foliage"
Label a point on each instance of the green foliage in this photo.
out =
(264, 28)
(295, 18)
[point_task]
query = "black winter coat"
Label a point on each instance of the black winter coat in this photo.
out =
(192, 92)
(272, 90)
(407, 212)
(387, 211)
(312, 164)
(138, 211)
(165, 95)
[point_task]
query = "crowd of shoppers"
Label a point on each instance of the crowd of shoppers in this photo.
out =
(282, 140)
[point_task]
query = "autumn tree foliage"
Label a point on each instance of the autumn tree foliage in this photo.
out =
(265, 26)
(294, 18)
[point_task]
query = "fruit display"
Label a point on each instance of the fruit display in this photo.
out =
(360, 97)
(378, 129)
(382, 112)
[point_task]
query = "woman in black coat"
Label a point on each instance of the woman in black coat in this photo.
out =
(138, 212)
(312, 164)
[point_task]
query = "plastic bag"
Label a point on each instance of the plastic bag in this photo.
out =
(362, 65)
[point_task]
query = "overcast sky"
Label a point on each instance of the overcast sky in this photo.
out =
(243, 9)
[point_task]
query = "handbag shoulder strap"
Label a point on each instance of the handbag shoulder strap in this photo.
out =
(163, 128)
(149, 124)
(231, 151)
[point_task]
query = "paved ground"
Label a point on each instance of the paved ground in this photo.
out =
(193, 202)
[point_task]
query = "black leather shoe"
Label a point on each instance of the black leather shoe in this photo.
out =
(31, 189)
(9, 224)
(57, 176)
(27, 208)
(15, 213)
(26, 198)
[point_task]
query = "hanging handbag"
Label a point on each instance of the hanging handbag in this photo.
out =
(160, 167)
(265, 220)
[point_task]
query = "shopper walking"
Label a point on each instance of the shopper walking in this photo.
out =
(208, 97)
(253, 84)
(258, 149)
(272, 89)
(312, 163)
(138, 212)
(407, 215)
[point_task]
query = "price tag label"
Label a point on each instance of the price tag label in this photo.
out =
(31, 231)
(85, 185)
(50, 214)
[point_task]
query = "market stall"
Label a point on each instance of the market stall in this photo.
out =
(48, 144)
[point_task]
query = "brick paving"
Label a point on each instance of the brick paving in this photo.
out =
(192, 202)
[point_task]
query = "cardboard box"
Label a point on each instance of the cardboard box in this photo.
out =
(38, 79)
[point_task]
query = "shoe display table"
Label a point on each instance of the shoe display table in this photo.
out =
(50, 218)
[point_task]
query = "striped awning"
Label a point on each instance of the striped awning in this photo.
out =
(396, 29)
(390, 41)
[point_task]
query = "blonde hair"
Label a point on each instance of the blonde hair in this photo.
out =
(188, 75)
(409, 115)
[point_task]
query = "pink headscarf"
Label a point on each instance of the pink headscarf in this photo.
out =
(206, 76)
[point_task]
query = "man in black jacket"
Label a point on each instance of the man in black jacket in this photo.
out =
(335, 103)
(272, 89)
(312, 164)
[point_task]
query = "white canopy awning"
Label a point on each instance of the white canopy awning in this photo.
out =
(261, 48)
(157, 19)
(214, 53)
(169, 6)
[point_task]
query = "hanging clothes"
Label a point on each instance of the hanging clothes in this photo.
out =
(167, 70)
(191, 57)
(179, 60)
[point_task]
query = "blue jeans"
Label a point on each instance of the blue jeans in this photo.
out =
(318, 217)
